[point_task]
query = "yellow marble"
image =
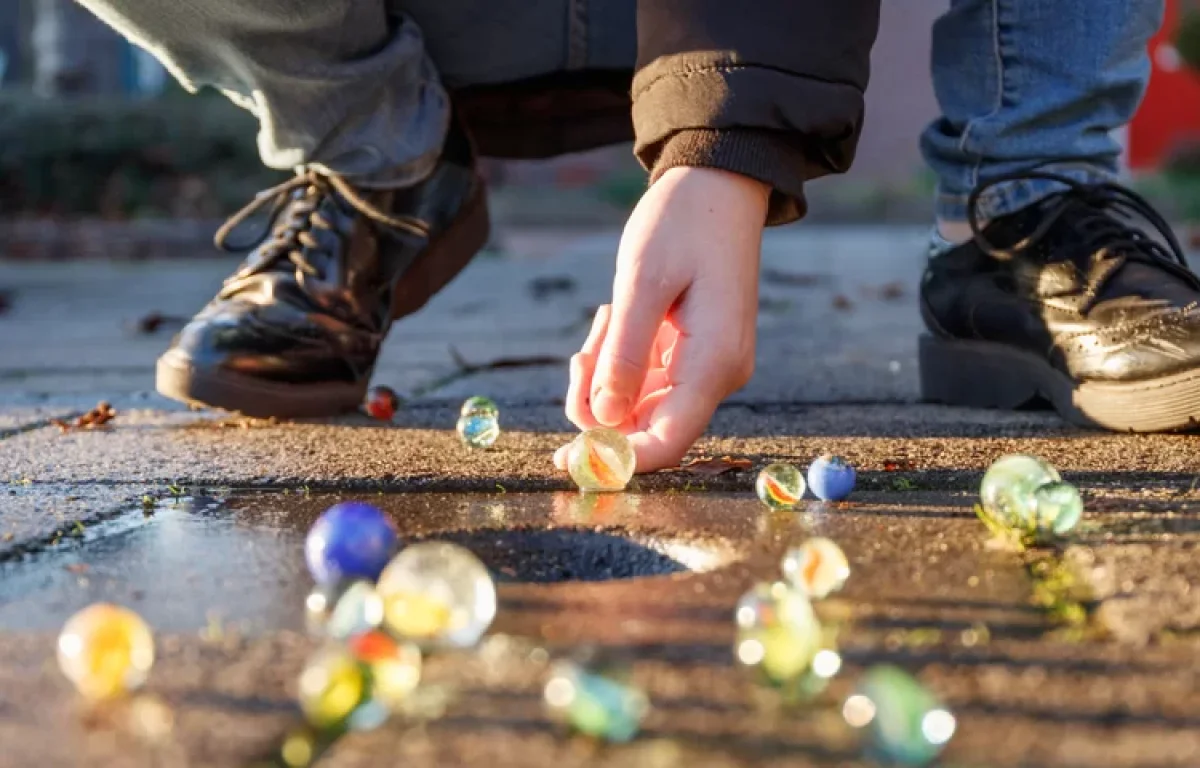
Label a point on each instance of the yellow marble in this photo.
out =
(105, 650)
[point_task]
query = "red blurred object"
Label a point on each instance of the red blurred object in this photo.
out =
(381, 403)
(1169, 116)
(373, 645)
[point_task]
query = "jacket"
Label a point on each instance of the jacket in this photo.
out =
(772, 89)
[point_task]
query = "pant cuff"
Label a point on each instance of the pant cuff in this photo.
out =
(1011, 196)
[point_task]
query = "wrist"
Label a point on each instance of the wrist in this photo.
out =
(719, 190)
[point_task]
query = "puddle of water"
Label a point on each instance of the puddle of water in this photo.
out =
(241, 560)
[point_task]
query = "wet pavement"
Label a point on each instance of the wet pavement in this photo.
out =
(224, 581)
(1079, 656)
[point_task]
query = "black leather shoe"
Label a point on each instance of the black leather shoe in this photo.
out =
(1069, 302)
(296, 330)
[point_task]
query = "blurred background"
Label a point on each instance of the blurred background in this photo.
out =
(96, 138)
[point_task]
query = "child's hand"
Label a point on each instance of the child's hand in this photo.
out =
(679, 335)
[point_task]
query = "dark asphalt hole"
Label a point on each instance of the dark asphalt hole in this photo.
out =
(544, 557)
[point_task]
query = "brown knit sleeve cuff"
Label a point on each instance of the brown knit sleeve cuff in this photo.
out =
(760, 154)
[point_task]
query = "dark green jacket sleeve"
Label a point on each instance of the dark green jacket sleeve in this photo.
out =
(772, 89)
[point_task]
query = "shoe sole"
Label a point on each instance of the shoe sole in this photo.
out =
(445, 257)
(982, 374)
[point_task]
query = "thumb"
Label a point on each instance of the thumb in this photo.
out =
(638, 310)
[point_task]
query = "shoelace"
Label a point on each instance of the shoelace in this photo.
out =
(290, 239)
(1096, 208)
(1097, 203)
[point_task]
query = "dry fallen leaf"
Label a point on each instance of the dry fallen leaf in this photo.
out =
(712, 467)
(97, 417)
(842, 303)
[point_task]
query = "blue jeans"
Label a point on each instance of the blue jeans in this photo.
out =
(1026, 84)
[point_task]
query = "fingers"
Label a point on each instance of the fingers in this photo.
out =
(640, 304)
(673, 418)
(703, 370)
(599, 328)
(582, 366)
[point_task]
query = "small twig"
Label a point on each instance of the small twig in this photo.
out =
(534, 361)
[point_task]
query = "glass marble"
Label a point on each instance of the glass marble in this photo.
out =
(479, 430)
(394, 666)
(778, 632)
(1059, 508)
(358, 685)
(479, 406)
(332, 686)
(904, 721)
(817, 567)
(299, 748)
(381, 403)
(1006, 492)
(831, 478)
(343, 610)
(780, 486)
(601, 459)
(351, 540)
(105, 650)
(594, 703)
(438, 595)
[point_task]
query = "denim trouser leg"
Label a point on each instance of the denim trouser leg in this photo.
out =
(1032, 83)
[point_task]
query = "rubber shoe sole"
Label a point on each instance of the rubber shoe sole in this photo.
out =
(445, 257)
(981, 374)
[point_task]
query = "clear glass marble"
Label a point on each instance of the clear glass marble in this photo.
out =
(105, 650)
(479, 430)
(332, 686)
(1059, 508)
(780, 486)
(594, 703)
(601, 459)
(777, 631)
(1006, 492)
(437, 594)
(344, 610)
(479, 406)
(904, 722)
(817, 567)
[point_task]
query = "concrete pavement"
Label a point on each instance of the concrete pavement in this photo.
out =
(218, 570)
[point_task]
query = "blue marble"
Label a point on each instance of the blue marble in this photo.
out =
(831, 478)
(351, 540)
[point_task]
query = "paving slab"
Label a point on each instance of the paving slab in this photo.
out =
(421, 452)
(213, 559)
(535, 300)
(38, 514)
(923, 589)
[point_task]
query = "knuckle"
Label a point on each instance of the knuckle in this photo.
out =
(737, 362)
(619, 367)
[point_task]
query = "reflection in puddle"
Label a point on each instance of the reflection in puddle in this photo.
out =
(240, 560)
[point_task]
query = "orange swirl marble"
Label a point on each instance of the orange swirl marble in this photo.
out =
(601, 460)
